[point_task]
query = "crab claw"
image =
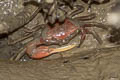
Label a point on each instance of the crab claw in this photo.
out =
(44, 51)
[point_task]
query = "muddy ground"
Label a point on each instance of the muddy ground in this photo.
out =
(102, 65)
(90, 62)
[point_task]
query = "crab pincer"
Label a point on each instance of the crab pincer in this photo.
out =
(44, 51)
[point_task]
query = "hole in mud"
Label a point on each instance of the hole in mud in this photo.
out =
(115, 36)
(4, 48)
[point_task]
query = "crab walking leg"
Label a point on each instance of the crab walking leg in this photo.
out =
(44, 51)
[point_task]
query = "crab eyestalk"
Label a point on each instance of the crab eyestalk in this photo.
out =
(44, 51)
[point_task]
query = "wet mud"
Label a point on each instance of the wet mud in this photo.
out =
(103, 65)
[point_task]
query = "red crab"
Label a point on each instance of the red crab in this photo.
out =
(60, 34)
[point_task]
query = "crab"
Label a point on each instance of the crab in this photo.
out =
(60, 34)
(62, 29)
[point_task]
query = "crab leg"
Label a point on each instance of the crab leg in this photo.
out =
(96, 36)
(86, 18)
(83, 36)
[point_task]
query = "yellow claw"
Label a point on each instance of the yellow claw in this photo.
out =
(44, 51)
(65, 48)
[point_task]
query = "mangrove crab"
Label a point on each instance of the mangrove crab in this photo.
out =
(62, 33)
(63, 28)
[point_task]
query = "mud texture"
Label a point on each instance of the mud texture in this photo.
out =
(103, 65)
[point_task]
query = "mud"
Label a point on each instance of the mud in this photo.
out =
(90, 62)
(103, 65)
